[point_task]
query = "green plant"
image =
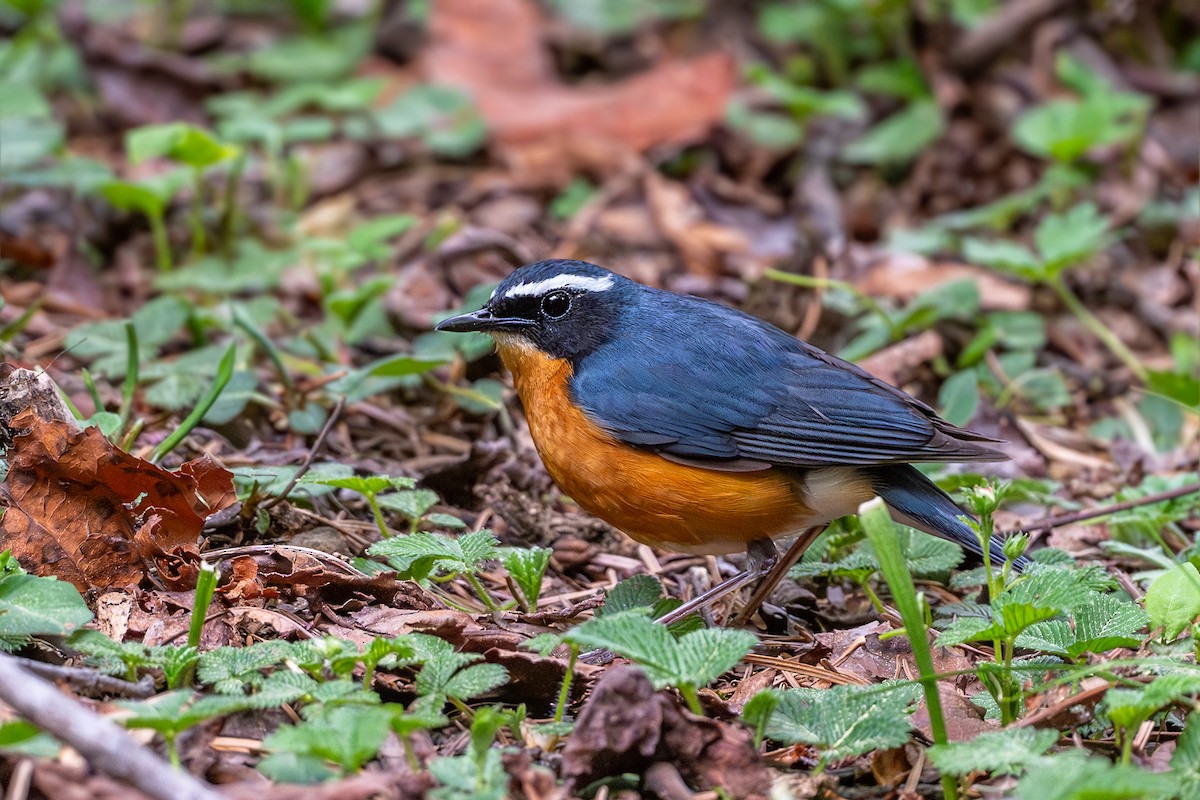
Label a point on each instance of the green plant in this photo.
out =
(429, 556)
(478, 775)
(1062, 241)
(371, 487)
(843, 720)
(1007, 752)
(526, 566)
(1065, 130)
(32, 606)
(177, 662)
(687, 662)
(171, 713)
(224, 373)
(881, 532)
(346, 736)
(1173, 600)
(193, 147)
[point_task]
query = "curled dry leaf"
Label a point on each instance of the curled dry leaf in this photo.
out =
(89, 513)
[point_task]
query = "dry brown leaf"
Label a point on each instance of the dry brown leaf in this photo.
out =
(905, 277)
(495, 51)
(94, 515)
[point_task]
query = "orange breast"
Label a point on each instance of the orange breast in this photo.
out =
(658, 502)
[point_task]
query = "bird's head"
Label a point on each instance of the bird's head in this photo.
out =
(565, 309)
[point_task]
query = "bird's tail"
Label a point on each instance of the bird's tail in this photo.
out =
(917, 501)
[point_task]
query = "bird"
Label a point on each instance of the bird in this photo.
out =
(697, 428)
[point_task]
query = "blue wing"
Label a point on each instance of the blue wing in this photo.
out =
(698, 382)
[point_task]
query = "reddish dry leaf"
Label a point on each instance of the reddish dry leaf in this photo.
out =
(494, 50)
(86, 512)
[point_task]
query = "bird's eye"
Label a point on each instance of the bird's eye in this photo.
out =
(556, 305)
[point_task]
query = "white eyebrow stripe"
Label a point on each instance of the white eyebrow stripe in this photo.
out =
(582, 283)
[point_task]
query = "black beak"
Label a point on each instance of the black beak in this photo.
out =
(481, 320)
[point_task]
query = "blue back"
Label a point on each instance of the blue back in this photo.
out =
(696, 380)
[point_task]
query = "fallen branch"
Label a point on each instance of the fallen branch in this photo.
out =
(1059, 520)
(91, 682)
(105, 745)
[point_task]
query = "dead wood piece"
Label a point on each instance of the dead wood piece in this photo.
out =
(106, 746)
(91, 682)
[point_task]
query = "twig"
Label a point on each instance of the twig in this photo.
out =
(312, 453)
(1059, 520)
(90, 681)
(980, 46)
(105, 745)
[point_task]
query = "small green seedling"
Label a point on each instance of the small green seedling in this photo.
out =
(430, 556)
(478, 775)
(371, 487)
(526, 566)
(347, 736)
(172, 713)
(193, 147)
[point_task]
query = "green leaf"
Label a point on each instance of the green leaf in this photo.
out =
(1185, 763)
(461, 778)
(1106, 623)
(363, 484)
(1003, 255)
(967, 629)
(1129, 708)
(177, 141)
(475, 680)
(636, 637)
(900, 138)
(271, 480)
(27, 140)
(349, 736)
(1071, 237)
(326, 57)
(173, 712)
(419, 554)
(1075, 776)
(616, 17)
(958, 397)
(229, 670)
(844, 720)
(706, 654)
(927, 556)
(768, 129)
(1006, 752)
(444, 119)
(410, 503)
(19, 737)
(33, 606)
(527, 566)
(22, 100)
(1173, 600)
(295, 768)
(1065, 130)
(635, 592)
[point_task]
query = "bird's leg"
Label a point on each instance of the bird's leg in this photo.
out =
(762, 556)
(764, 564)
(778, 569)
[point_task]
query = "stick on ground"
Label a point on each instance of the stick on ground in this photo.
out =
(105, 745)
